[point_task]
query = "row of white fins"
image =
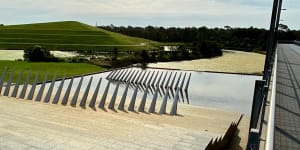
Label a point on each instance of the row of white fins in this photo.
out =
(144, 77)
(93, 99)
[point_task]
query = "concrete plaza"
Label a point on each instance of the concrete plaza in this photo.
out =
(26, 124)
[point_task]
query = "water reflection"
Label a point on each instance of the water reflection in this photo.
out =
(216, 90)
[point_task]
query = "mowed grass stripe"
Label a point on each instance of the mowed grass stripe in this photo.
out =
(63, 25)
(73, 47)
(68, 35)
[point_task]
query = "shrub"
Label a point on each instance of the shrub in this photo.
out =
(38, 54)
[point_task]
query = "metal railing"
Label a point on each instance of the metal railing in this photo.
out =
(260, 99)
(262, 89)
(271, 119)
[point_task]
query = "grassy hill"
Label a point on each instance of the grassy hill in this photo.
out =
(68, 35)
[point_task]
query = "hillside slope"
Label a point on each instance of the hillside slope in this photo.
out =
(68, 35)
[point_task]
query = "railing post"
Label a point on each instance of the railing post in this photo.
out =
(257, 103)
(253, 142)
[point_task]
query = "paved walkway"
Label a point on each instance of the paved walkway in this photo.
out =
(26, 124)
(287, 115)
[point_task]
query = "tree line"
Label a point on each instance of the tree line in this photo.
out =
(246, 39)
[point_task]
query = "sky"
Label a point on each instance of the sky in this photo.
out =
(167, 13)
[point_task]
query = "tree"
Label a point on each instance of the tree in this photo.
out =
(115, 54)
(283, 27)
(37, 54)
(145, 56)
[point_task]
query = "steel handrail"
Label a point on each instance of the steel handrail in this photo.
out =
(271, 119)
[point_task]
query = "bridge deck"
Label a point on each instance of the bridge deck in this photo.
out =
(287, 111)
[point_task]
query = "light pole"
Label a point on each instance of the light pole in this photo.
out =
(277, 21)
(277, 4)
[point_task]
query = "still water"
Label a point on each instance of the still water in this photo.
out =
(230, 92)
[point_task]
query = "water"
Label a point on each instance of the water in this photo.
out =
(230, 92)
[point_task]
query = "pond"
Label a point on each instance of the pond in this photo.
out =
(230, 92)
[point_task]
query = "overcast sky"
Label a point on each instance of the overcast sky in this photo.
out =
(179, 13)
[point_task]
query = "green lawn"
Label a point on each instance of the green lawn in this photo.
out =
(69, 69)
(68, 35)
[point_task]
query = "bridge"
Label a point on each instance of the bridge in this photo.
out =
(275, 116)
(287, 105)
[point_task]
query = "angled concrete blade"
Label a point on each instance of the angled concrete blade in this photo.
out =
(158, 81)
(103, 99)
(188, 82)
(67, 94)
(113, 98)
(24, 88)
(129, 73)
(182, 82)
(139, 76)
(95, 95)
(120, 75)
(146, 78)
(58, 92)
(142, 78)
(168, 81)
(130, 76)
(133, 79)
(85, 95)
(153, 102)
(172, 83)
(164, 79)
(123, 99)
(2, 78)
(110, 74)
(175, 102)
(164, 103)
(153, 81)
(42, 88)
(115, 75)
(143, 101)
(178, 80)
(76, 94)
(17, 85)
(33, 86)
(149, 81)
(8, 84)
(50, 89)
(133, 99)
(124, 75)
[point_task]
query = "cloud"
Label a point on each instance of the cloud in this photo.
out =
(140, 11)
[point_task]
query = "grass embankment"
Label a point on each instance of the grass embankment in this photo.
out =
(60, 69)
(231, 62)
(68, 35)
